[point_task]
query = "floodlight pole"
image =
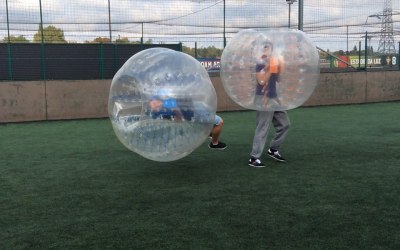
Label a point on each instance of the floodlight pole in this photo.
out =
(289, 2)
(300, 21)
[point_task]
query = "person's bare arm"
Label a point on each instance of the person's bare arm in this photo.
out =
(263, 76)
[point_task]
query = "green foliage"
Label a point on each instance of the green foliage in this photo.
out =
(100, 40)
(188, 50)
(51, 34)
(323, 55)
(149, 41)
(354, 51)
(341, 53)
(123, 40)
(209, 52)
(16, 39)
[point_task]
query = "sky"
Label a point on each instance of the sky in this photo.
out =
(331, 25)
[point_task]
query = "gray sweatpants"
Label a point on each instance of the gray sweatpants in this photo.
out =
(281, 123)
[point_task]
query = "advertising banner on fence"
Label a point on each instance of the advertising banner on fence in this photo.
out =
(372, 61)
(209, 63)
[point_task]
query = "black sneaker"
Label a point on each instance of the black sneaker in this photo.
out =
(219, 146)
(255, 163)
(275, 155)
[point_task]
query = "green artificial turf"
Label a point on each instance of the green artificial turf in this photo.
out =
(73, 185)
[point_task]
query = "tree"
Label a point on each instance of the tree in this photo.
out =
(323, 55)
(16, 39)
(123, 40)
(51, 34)
(209, 52)
(188, 50)
(340, 53)
(354, 51)
(149, 41)
(100, 40)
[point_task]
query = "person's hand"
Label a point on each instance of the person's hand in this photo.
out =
(266, 67)
(265, 62)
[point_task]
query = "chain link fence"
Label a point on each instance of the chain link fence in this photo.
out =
(358, 34)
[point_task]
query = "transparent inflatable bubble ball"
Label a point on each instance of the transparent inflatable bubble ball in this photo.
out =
(162, 104)
(270, 70)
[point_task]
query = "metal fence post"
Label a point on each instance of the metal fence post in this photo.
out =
(42, 48)
(115, 56)
(366, 50)
(101, 61)
(359, 55)
(9, 60)
(141, 38)
(9, 54)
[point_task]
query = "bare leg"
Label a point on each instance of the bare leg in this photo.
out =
(215, 132)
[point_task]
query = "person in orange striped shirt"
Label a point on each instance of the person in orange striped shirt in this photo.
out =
(267, 74)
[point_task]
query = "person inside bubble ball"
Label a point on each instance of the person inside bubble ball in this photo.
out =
(168, 109)
(267, 75)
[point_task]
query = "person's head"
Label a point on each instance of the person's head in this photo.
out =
(267, 48)
(292, 40)
(155, 104)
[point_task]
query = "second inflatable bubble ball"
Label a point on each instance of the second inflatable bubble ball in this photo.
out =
(270, 70)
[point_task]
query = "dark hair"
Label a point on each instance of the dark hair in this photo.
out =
(268, 45)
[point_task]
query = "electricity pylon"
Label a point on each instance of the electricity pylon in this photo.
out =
(386, 41)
